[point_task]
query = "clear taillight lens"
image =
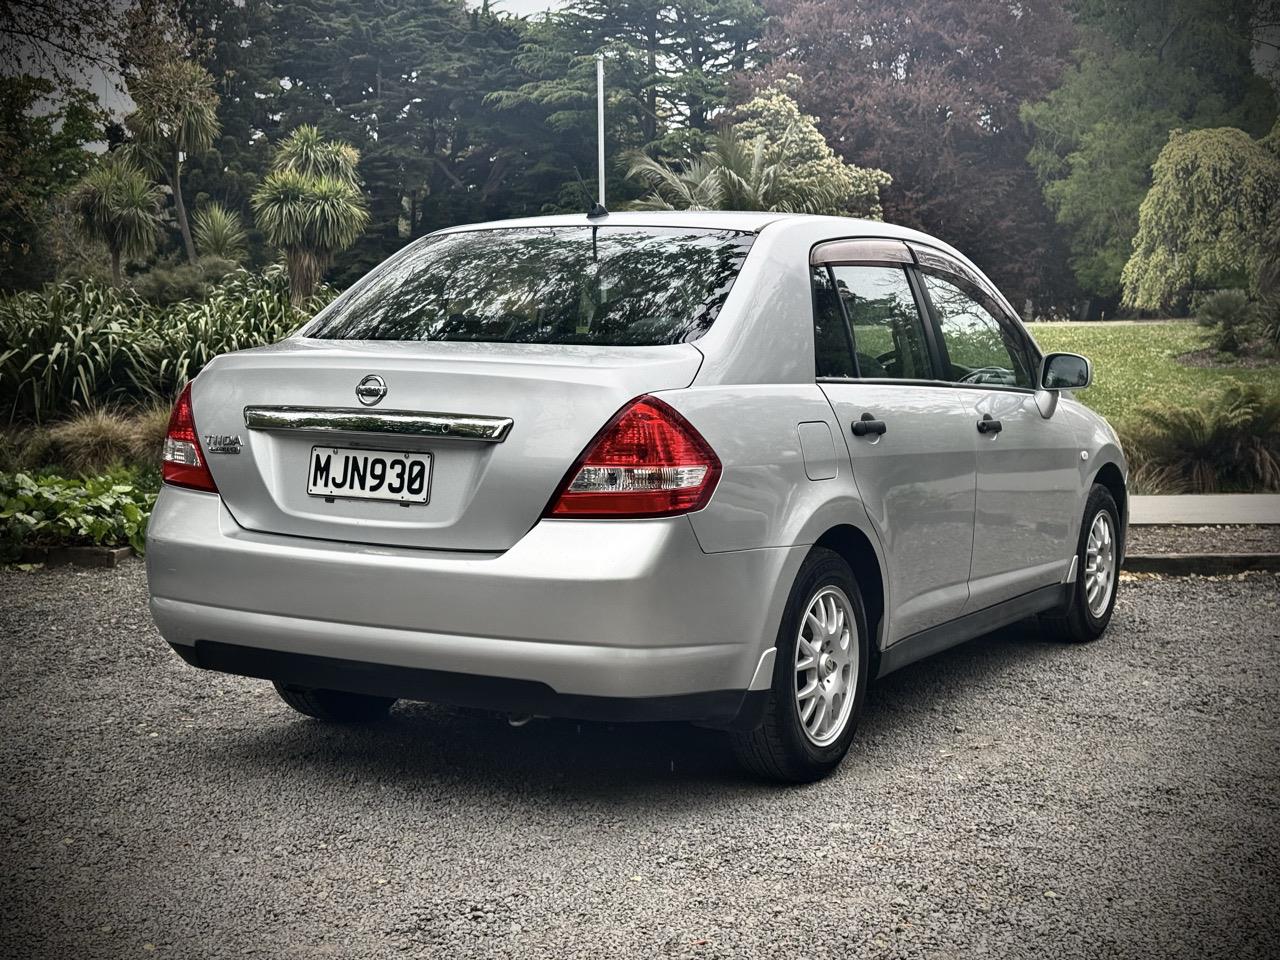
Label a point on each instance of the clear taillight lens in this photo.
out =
(648, 461)
(183, 463)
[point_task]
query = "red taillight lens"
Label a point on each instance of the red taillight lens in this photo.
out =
(183, 462)
(648, 461)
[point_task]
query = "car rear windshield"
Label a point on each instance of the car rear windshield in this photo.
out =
(610, 286)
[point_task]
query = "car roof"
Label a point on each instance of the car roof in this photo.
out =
(748, 221)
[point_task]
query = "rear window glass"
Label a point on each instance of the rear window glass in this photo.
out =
(614, 286)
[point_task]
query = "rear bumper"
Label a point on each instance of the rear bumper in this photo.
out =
(576, 614)
(717, 707)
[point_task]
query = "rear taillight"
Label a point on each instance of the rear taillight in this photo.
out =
(648, 461)
(183, 462)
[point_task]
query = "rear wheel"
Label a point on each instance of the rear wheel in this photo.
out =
(819, 677)
(334, 705)
(1092, 598)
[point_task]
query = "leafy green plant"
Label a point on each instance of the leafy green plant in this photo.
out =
(1267, 286)
(76, 347)
(1229, 442)
(168, 283)
(54, 511)
(65, 348)
(1229, 315)
(220, 233)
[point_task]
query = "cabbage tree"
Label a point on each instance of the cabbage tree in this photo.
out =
(117, 204)
(310, 206)
(176, 117)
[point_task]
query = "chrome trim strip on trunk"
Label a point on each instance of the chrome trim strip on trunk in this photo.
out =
(443, 426)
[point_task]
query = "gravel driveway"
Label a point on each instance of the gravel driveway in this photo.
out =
(1011, 797)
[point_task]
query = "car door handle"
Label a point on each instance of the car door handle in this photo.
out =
(987, 425)
(868, 424)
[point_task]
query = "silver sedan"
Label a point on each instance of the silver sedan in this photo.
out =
(716, 467)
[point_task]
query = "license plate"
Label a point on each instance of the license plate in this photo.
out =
(369, 474)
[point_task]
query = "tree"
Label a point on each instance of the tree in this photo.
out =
(310, 206)
(774, 158)
(1206, 220)
(116, 204)
(406, 84)
(176, 116)
(669, 62)
(1142, 68)
(58, 39)
(930, 95)
(41, 153)
(667, 69)
(775, 116)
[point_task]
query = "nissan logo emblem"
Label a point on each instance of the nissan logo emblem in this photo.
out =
(371, 389)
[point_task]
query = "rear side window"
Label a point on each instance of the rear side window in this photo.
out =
(610, 286)
(830, 339)
(888, 334)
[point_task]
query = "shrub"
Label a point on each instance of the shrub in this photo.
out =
(150, 425)
(77, 347)
(219, 232)
(1267, 287)
(1228, 443)
(70, 346)
(52, 510)
(169, 283)
(1230, 315)
(94, 441)
(245, 310)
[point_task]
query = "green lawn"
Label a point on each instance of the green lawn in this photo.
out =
(1135, 364)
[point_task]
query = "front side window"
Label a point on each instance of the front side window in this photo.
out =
(609, 286)
(979, 349)
(888, 335)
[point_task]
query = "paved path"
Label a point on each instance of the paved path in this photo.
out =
(1207, 509)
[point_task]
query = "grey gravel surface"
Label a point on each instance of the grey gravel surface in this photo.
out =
(1008, 798)
(1256, 538)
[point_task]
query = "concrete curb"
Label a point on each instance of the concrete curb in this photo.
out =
(1204, 564)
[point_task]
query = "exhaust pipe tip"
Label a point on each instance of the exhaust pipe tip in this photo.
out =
(518, 719)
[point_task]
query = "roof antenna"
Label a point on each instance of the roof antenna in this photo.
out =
(599, 210)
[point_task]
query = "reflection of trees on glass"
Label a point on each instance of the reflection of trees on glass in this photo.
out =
(831, 343)
(589, 285)
(887, 334)
(978, 347)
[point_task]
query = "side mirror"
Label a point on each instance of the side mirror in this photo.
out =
(1059, 372)
(1065, 371)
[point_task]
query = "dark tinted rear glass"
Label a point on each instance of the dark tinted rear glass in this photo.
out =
(617, 286)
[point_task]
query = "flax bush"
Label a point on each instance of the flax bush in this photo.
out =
(78, 347)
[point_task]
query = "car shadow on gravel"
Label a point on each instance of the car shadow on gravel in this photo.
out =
(427, 746)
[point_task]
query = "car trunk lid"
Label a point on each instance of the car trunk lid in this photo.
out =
(502, 424)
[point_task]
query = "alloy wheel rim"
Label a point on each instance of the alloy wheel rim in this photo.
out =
(826, 666)
(1100, 564)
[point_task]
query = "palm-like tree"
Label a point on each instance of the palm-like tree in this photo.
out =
(116, 204)
(310, 218)
(736, 174)
(306, 151)
(176, 116)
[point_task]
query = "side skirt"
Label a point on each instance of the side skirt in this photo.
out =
(936, 639)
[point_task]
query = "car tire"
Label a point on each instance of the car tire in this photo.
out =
(787, 746)
(334, 705)
(1085, 615)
